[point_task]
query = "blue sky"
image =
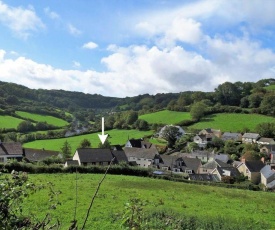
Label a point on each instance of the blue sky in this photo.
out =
(129, 47)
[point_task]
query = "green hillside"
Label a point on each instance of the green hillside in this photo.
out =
(165, 117)
(43, 118)
(7, 122)
(233, 122)
(203, 202)
(115, 137)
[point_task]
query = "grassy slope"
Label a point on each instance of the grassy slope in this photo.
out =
(198, 200)
(43, 118)
(232, 122)
(115, 137)
(9, 122)
(165, 117)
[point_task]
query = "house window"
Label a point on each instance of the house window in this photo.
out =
(93, 163)
(204, 170)
(1, 159)
(100, 163)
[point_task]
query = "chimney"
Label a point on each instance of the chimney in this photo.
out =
(243, 160)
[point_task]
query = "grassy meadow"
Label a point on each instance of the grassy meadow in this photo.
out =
(7, 122)
(233, 122)
(115, 137)
(166, 117)
(172, 197)
(43, 118)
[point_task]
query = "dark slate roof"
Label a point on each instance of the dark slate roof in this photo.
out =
(267, 172)
(120, 155)
(233, 171)
(116, 147)
(140, 152)
(254, 166)
(192, 163)
(11, 148)
(204, 177)
(35, 155)
(136, 143)
(88, 155)
(215, 163)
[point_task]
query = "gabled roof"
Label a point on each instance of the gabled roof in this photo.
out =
(271, 184)
(215, 163)
(231, 136)
(192, 163)
(11, 148)
(120, 155)
(88, 155)
(35, 155)
(222, 157)
(141, 152)
(234, 172)
(251, 135)
(267, 172)
(254, 166)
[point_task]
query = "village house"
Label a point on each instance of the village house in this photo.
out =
(138, 143)
(211, 132)
(268, 177)
(250, 138)
(226, 171)
(36, 155)
(237, 137)
(10, 150)
(177, 164)
(251, 169)
(202, 140)
(142, 157)
(265, 141)
(98, 156)
(208, 167)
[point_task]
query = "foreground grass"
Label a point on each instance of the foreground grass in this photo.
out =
(232, 122)
(171, 197)
(43, 118)
(165, 117)
(115, 137)
(7, 122)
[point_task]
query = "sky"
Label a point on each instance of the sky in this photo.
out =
(123, 48)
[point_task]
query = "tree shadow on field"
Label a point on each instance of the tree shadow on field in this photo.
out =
(209, 118)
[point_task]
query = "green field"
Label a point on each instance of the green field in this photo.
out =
(172, 197)
(9, 122)
(43, 118)
(115, 137)
(270, 87)
(165, 117)
(233, 122)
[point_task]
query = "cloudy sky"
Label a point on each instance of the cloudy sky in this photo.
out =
(129, 47)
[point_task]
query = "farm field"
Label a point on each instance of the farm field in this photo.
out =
(172, 197)
(115, 137)
(7, 122)
(166, 117)
(43, 118)
(232, 122)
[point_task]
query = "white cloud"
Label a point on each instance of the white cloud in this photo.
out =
(90, 45)
(51, 14)
(21, 21)
(73, 30)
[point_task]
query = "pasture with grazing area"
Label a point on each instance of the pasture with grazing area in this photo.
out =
(8, 122)
(232, 122)
(43, 118)
(115, 137)
(165, 117)
(203, 202)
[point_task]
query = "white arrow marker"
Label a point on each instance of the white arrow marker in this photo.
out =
(103, 136)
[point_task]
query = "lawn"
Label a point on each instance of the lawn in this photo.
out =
(43, 118)
(166, 117)
(232, 122)
(172, 197)
(115, 137)
(7, 122)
